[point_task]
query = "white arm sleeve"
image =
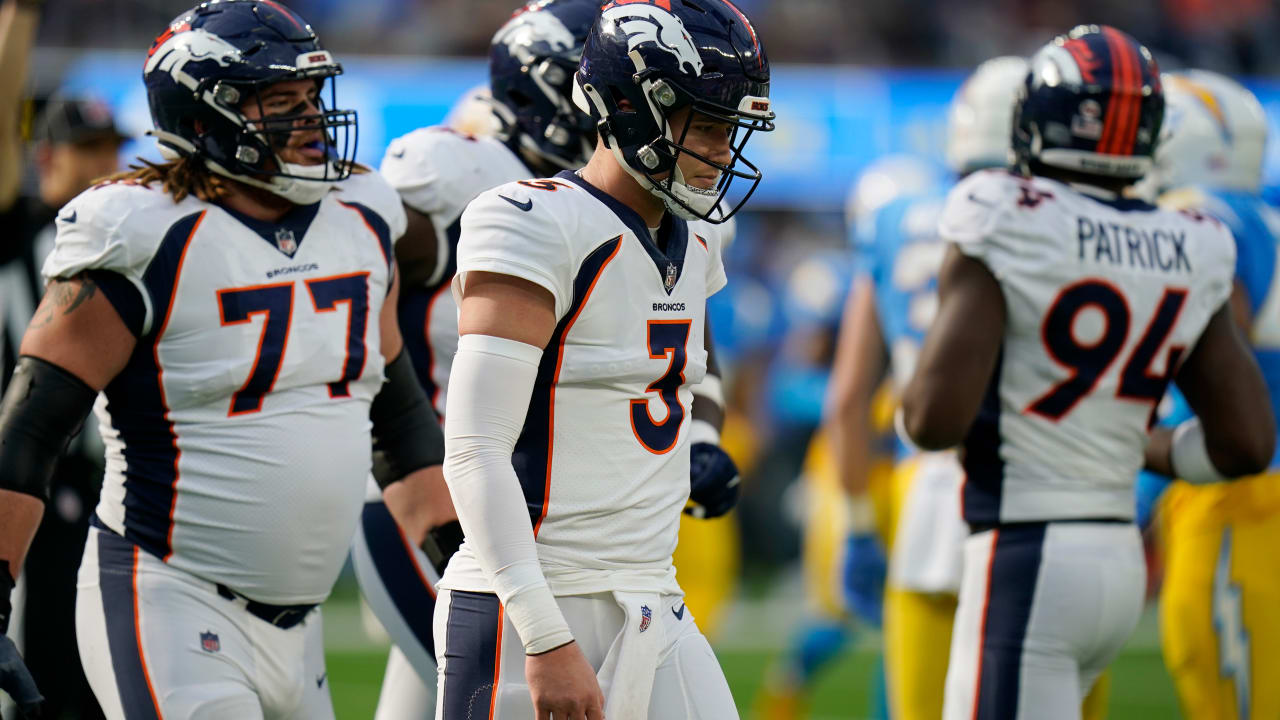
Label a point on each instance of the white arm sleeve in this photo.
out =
(489, 389)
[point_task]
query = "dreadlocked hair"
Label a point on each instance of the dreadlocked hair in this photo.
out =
(179, 178)
(185, 176)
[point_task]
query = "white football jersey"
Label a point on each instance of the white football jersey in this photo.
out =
(603, 458)
(1103, 298)
(238, 436)
(437, 171)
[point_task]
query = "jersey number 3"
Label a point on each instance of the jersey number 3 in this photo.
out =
(275, 303)
(1089, 362)
(667, 339)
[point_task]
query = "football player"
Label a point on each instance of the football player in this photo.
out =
(826, 630)
(1219, 628)
(1065, 309)
(232, 311)
(437, 171)
(889, 311)
(582, 304)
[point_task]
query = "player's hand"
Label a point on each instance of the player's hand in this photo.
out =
(864, 573)
(713, 481)
(420, 502)
(16, 680)
(563, 685)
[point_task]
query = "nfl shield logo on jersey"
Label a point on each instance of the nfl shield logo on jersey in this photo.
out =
(646, 617)
(670, 280)
(286, 242)
(209, 642)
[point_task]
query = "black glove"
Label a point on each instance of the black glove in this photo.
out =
(15, 678)
(441, 543)
(713, 481)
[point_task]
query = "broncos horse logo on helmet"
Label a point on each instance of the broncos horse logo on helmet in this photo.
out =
(650, 23)
(532, 59)
(1092, 103)
(219, 55)
(638, 70)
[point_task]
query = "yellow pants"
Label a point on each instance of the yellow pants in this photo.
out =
(1220, 603)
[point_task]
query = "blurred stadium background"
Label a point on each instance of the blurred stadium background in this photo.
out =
(854, 81)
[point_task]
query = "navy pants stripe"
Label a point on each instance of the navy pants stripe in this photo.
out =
(117, 562)
(1011, 587)
(412, 594)
(472, 640)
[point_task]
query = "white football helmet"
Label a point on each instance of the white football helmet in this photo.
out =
(980, 122)
(1214, 135)
(886, 179)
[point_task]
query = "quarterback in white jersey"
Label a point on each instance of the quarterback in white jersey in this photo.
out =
(1065, 311)
(233, 312)
(582, 307)
(437, 171)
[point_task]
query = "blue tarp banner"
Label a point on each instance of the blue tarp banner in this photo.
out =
(832, 120)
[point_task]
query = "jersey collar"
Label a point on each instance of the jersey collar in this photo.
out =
(670, 264)
(286, 234)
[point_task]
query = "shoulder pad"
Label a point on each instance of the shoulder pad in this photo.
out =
(372, 190)
(1188, 198)
(974, 206)
(117, 227)
(114, 226)
(515, 229)
(437, 170)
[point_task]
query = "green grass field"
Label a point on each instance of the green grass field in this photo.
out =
(1140, 688)
(755, 630)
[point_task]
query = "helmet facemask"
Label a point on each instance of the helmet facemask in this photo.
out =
(253, 157)
(258, 160)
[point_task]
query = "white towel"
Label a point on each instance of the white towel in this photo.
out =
(626, 676)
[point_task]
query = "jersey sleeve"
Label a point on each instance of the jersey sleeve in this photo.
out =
(1219, 266)
(94, 234)
(373, 191)
(500, 236)
(424, 166)
(715, 238)
(971, 217)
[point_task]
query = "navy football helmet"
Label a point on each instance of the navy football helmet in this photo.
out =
(1092, 103)
(221, 54)
(661, 56)
(532, 59)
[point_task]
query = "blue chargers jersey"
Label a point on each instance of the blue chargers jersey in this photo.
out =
(900, 253)
(1256, 227)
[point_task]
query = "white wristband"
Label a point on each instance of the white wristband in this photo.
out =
(1189, 456)
(900, 427)
(537, 615)
(862, 515)
(701, 431)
